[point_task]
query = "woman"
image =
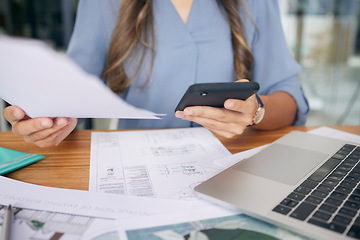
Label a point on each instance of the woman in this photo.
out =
(152, 50)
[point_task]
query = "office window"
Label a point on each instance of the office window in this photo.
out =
(50, 21)
(324, 37)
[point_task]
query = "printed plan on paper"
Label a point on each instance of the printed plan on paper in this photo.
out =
(156, 163)
(47, 225)
(45, 213)
(205, 226)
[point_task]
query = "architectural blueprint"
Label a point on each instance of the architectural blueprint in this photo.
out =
(46, 213)
(31, 224)
(234, 227)
(153, 163)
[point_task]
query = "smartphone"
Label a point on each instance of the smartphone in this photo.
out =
(215, 94)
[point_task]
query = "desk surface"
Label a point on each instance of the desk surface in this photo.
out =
(67, 165)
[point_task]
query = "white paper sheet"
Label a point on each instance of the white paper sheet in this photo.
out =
(157, 163)
(45, 83)
(334, 133)
(227, 162)
(197, 224)
(30, 224)
(25, 195)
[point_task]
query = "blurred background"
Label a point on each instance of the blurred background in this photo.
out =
(323, 36)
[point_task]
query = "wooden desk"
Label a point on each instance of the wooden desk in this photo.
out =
(67, 165)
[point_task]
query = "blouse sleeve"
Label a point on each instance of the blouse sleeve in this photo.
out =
(275, 68)
(92, 33)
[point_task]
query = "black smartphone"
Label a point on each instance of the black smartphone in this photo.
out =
(215, 94)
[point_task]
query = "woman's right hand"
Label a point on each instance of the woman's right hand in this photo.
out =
(43, 132)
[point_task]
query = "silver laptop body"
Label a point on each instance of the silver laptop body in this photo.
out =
(284, 176)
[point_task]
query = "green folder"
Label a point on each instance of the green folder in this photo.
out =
(11, 160)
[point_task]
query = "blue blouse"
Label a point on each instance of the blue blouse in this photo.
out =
(196, 52)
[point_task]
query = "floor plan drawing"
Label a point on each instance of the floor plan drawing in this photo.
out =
(29, 224)
(155, 163)
(235, 227)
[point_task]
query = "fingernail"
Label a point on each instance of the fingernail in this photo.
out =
(188, 112)
(45, 123)
(61, 122)
(180, 115)
(229, 104)
(16, 115)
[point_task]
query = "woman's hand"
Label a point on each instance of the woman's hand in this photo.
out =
(281, 111)
(43, 132)
(228, 121)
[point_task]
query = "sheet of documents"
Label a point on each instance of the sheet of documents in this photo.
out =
(154, 163)
(227, 162)
(334, 133)
(202, 225)
(45, 83)
(92, 204)
(30, 224)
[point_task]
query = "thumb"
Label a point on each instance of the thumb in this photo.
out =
(242, 80)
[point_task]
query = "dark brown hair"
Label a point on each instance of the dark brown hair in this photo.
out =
(134, 32)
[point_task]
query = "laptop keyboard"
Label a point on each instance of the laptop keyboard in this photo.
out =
(330, 197)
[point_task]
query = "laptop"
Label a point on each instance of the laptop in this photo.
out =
(303, 182)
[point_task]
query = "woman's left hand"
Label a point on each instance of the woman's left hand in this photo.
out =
(228, 121)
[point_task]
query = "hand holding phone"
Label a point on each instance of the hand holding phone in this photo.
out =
(215, 94)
